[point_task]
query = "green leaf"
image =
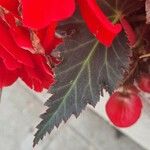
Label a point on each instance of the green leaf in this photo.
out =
(87, 68)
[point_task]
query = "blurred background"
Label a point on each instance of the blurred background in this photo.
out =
(20, 108)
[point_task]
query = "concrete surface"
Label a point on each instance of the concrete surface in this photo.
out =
(19, 114)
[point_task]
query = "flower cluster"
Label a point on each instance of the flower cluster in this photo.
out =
(27, 37)
(25, 53)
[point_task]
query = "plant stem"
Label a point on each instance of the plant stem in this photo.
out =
(144, 56)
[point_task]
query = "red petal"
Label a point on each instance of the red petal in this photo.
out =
(39, 77)
(46, 74)
(98, 23)
(22, 37)
(31, 79)
(20, 34)
(8, 60)
(10, 46)
(47, 37)
(39, 14)
(144, 82)
(124, 111)
(11, 5)
(7, 77)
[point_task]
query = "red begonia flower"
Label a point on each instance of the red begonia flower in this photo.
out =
(16, 60)
(124, 109)
(97, 22)
(38, 14)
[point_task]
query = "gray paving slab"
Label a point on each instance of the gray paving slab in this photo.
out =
(99, 134)
(19, 113)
